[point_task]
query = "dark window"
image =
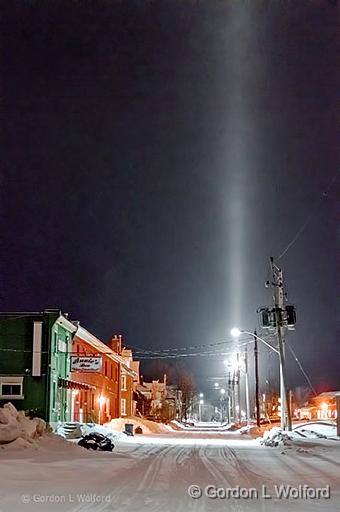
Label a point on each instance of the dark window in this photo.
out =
(11, 389)
(105, 368)
(54, 393)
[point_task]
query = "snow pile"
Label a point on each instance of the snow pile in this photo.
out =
(276, 437)
(321, 430)
(14, 425)
(147, 426)
(73, 431)
(307, 431)
(105, 430)
(177, 425)
(252, 430)
(202, 426)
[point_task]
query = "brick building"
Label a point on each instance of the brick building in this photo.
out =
(95, 365)
(127, 377)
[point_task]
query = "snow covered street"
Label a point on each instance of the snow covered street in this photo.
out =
(154, 473)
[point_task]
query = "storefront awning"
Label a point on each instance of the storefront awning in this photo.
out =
(72, 384)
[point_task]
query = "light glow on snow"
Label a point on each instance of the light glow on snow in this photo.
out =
(199, 439)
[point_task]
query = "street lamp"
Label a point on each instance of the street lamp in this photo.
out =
(235, 332)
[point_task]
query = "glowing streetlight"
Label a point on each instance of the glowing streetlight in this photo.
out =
(217, 385)
(201, 395)
(222, 391)
(236, 332)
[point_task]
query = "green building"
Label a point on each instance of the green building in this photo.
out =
(35, 363)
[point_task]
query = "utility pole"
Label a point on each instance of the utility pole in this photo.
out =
(247, 385)
(277, 282)
(229, 399)
(257, 401)
(234, 396)
(238, 387)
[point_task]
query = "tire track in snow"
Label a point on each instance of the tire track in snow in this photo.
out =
(220, 479)
(123, 498)
(229, 455)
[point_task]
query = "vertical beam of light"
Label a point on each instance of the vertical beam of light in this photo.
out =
(237, 148)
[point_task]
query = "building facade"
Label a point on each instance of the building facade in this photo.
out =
(55, 369)
(98, 367)
(35, 363)
(127, 376)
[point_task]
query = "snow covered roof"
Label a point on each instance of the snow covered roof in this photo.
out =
(328, 394)
(64, 322)
(101, 347)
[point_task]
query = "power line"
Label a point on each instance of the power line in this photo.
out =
(192, 347)
(311, 215)
(190, 354)
(302, 370)
(145, 354)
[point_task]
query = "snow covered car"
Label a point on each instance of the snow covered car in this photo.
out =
(96, 441)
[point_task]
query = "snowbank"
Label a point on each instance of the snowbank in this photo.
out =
(314, 430)
(276, 437)
(15, 425)
(202, 427)
(147, 426)
(251, 430)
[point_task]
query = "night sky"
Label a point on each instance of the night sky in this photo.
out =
(156, 154)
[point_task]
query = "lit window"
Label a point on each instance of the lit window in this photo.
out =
(123, 382)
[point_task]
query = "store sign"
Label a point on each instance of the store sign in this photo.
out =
(86, 364)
